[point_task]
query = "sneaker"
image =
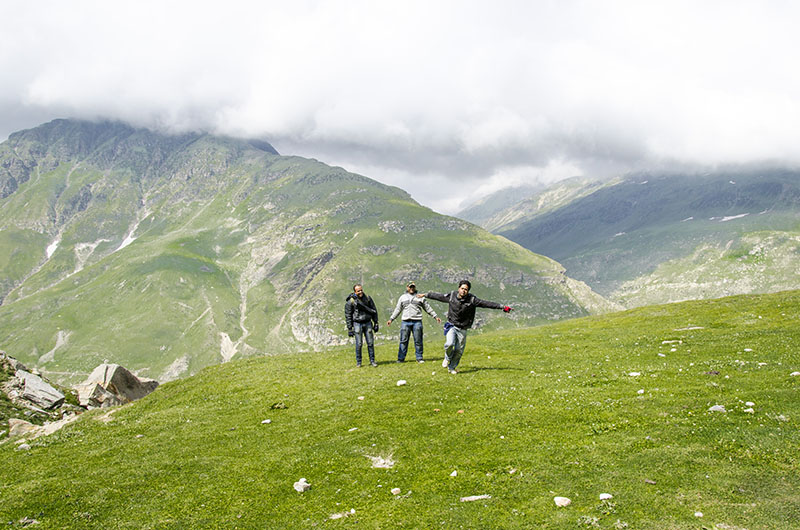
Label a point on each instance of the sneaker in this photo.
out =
(400, 361)
(421, 361)
(358, 365)
(445, 362)
(453, 372)
(373, 364)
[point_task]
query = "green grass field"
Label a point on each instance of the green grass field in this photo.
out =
(556, 410)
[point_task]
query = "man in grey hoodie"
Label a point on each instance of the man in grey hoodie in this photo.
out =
(412, 307)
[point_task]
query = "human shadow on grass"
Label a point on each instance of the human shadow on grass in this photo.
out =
(482, 368)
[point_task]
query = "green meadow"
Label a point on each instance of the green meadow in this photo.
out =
(617, 404)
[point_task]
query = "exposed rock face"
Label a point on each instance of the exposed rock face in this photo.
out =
(38, 391)
(111, 384)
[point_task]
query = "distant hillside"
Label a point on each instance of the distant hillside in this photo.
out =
(484, 208)
(170, 253)
(651, 239)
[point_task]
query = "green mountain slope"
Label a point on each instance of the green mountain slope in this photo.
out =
(619, 404)
(170, 253)
(485, 208)
(616, 237)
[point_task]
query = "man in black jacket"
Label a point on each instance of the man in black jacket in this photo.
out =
(460, 316)
(359, 311)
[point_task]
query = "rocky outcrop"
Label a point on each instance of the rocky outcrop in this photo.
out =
(111, 384)
(39, 392)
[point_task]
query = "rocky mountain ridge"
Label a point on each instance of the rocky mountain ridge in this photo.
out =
(171, 253)
(655, 238)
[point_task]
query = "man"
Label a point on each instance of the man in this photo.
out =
(460, 316)
(359, 311)
(411, 324)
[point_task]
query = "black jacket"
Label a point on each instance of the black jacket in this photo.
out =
(461, 313)
(360, 310)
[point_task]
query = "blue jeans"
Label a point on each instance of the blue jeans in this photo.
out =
(365, 329)
(408, 328)
(454, 343)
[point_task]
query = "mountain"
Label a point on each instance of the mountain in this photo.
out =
(168, 253)
(647, 239)
(484, 208)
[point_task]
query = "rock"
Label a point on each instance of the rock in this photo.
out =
(301, 485)
(266, 422)
(635, 374)
(10, 362)
(698, 514)
(640, 391)
(717, 408)
(396, 491)
(795, 374)
(38, 391)
(94, 395)
(606, 496)
(751, 410)
(475, 498)
(562, 501)
(23, 447)
(750, 404)
(17, 427)
(402, 382)
(454, 473)
(111, 384)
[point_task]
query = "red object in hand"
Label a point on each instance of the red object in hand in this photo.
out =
(506, 309)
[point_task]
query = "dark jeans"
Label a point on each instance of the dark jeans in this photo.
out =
(408, 328)
(365, 329)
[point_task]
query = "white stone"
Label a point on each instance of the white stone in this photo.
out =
(750, 404)
(717, 408)
(562, 501)
(396, 491)
(698, 514)
(301, 485)
(606, 496)
(640, 391)
(750, 411)
(266, 421)
(402, 382)
(475, 498)
(454, 474)
(634, 374)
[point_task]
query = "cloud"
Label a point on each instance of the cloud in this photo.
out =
(453, 95)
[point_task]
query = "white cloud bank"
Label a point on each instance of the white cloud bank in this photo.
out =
(444, 99)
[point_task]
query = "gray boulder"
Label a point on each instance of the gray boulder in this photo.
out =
(38, 391)
(111, 384)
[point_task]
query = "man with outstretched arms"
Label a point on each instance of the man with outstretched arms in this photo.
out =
(412, 308)
(460, 316)
(361, 317)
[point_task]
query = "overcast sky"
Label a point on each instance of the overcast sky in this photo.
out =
(448, 100)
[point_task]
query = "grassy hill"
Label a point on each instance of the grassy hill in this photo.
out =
(617, 404)
(167, 254)
(641, 239)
